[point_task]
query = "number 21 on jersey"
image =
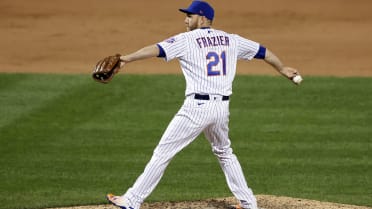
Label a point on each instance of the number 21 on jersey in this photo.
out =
(215, 61)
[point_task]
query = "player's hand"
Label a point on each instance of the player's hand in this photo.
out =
(122, 63)
(291, 73)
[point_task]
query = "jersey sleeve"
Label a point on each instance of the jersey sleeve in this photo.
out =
(174, 47)
(247, 49)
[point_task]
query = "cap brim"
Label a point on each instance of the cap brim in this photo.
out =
(186, 11)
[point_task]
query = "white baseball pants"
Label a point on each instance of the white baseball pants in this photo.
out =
(195, 116)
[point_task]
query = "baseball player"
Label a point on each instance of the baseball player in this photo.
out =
(208, 59)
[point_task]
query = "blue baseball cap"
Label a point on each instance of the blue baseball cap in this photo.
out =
(201, 8)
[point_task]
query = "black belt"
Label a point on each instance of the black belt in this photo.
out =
(206, 97)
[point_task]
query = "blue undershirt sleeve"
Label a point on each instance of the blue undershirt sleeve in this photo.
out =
(261, 53)
(161, 51)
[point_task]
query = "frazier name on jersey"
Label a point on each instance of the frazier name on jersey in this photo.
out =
(213, 41)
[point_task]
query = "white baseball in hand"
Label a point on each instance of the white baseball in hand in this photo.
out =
(297, 79)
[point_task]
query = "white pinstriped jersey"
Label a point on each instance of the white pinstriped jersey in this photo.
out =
(208, 58)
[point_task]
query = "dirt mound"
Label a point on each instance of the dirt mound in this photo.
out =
(264, 201)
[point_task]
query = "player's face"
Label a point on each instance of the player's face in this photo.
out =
(192, 22)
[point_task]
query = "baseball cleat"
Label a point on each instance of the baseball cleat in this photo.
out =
(118, 201)
(238, 207)
(235, 207)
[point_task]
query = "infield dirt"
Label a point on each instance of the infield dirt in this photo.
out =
(319, 37)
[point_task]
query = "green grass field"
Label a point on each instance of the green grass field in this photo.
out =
(67, 140)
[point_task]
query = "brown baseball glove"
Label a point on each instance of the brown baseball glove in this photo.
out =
(106, 68)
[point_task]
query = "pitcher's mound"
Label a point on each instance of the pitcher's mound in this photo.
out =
(264, 202)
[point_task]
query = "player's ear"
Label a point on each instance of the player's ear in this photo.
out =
(203, 21)
(200, 21)
(209, 22)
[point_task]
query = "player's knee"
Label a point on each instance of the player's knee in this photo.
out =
(223, 153)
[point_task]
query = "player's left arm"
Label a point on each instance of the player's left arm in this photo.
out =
(274, 61)
(106, 68)
(144, 53)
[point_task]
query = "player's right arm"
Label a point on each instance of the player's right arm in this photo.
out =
(249, 49)
(275, 62)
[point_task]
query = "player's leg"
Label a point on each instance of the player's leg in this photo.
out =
(217, 134)
(182, 130)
